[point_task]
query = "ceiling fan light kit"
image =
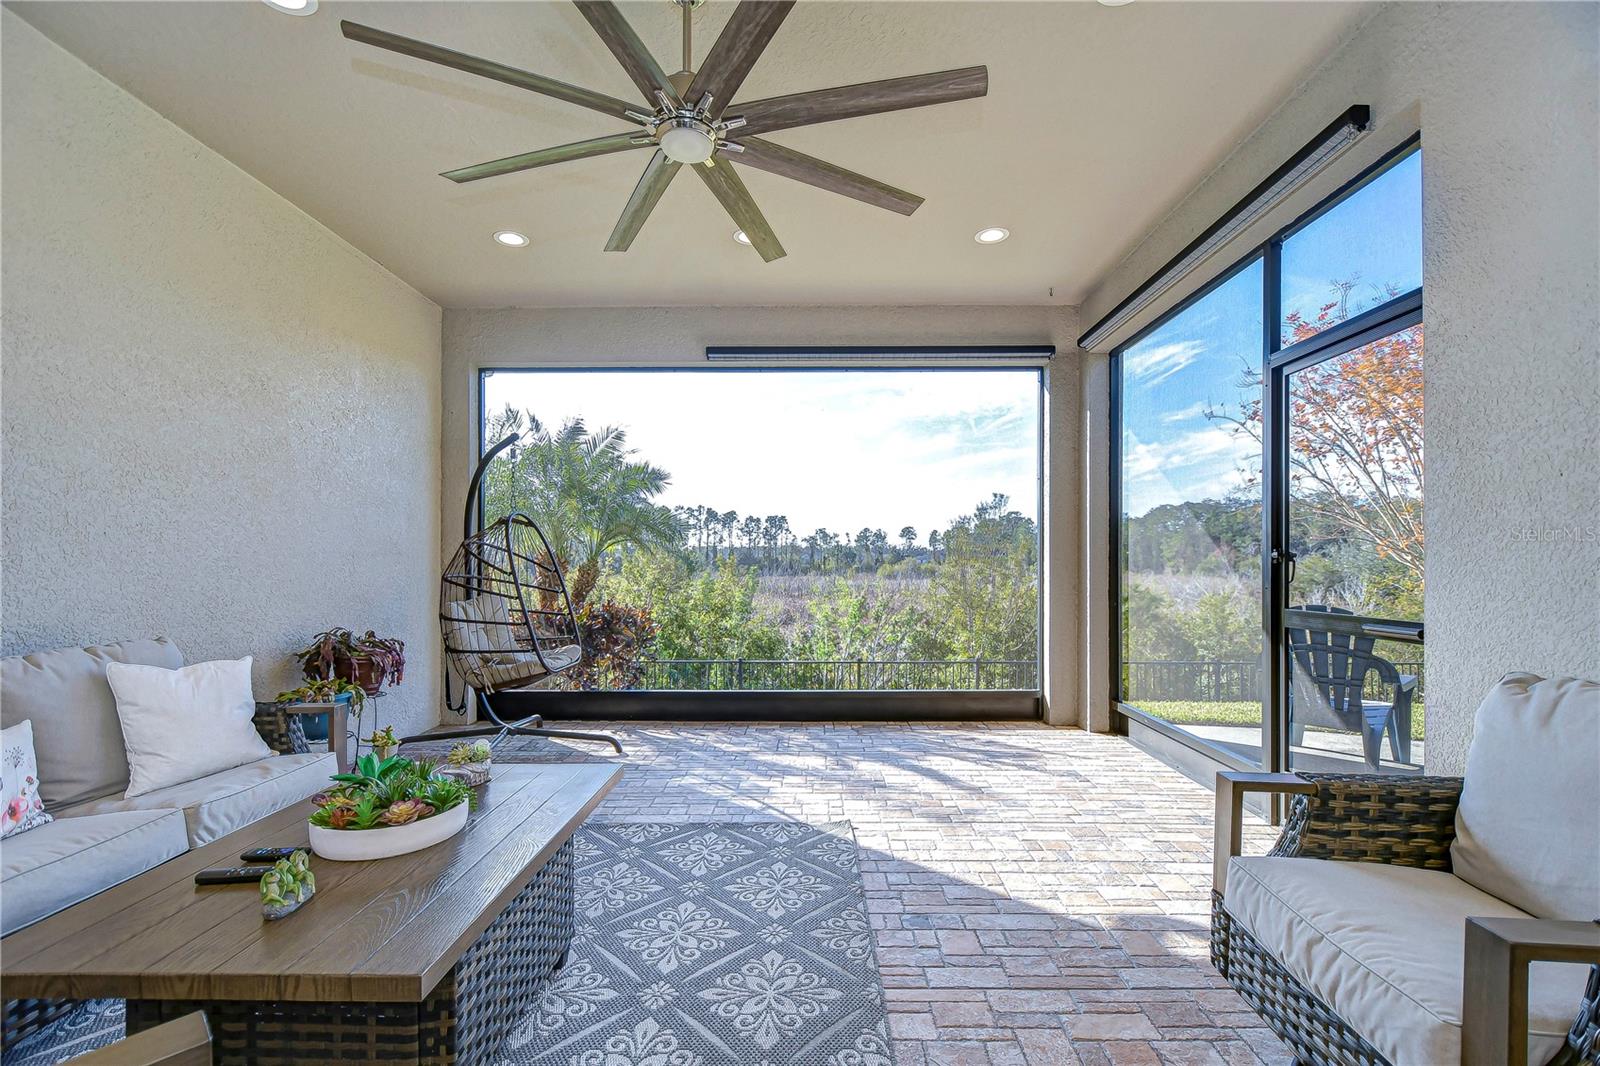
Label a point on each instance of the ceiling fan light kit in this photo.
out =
(688, 119)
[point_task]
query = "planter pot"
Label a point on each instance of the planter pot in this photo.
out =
(359, 845)
(316, 725)
(473, 773)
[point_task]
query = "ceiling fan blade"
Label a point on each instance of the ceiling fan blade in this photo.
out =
(744, 38)
(626, 46)
(867, 98)
(658, 174)
(776, 159)
(726, 187)
(486, 68)
(616, 142)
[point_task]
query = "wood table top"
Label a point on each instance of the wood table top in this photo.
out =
(381, 931)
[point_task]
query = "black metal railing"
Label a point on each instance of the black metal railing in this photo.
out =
(1215, 680)
(845, 675)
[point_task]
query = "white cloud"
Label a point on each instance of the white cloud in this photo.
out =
(841, 450)
(1205, 463)
(1157, 363)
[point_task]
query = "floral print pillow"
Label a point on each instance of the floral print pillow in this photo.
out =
(19, 782)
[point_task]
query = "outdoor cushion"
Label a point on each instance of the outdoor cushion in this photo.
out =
(219, 803)
(484, 649)
(1527, 823)
(50, 868)
(180, 725)
(1383, 946)
(76, 735)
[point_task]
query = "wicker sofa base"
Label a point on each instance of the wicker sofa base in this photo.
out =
(492, 987)
(1312, 1030)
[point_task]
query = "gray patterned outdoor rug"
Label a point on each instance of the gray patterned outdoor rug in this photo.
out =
(697, 944)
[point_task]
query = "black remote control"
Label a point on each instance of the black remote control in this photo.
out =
(268, 854)
(231, 875)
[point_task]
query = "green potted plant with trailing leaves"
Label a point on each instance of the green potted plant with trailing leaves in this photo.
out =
(385, 807)
(368, 661)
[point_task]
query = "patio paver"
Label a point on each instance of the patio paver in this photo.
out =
(1041, 895)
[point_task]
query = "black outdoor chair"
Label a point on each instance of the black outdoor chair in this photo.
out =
(1329, 673)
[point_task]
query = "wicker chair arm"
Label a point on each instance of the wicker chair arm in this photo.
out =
(1494, 1030)
(1229, 824)
(1400, 820)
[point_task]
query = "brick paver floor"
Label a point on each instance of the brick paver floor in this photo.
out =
(1041, 895)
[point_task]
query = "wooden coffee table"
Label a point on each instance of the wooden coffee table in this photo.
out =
(430, 957)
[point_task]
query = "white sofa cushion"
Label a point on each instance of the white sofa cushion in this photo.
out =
(181, 725)
(1528, 821)
(219, 803)
(76, 735)
(54, 866)
(1383, 946)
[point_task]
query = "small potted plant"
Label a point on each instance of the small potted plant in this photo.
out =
(384, 742)
(369, 661)
(469, 762)
(324, 691)
(286, 886)
(387, 807)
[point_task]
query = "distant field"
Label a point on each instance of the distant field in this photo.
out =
(1202, 712)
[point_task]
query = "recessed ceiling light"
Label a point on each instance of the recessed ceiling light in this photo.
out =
(741, 236)
(991, 235)
(511, 238)
(1107, 3)
(292, 7)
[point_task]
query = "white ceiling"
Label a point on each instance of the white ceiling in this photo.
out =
(1098, 120)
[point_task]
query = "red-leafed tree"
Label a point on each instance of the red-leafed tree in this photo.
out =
(1355, 437)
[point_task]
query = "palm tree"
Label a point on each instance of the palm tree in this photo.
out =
(585, 490)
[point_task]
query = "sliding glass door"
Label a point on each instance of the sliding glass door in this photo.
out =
(1269, 470)
(1352, 624)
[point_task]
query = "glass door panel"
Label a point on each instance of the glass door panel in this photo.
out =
(1352, 628)
(1190, 480)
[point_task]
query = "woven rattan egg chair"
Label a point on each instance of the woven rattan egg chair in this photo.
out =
(506, 617)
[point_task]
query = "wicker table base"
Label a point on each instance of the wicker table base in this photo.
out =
(497, 980)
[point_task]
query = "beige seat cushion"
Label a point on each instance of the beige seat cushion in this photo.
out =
(1528, 821)
(54, 866)
(219, 803)
(1383, 946)
(76, 734)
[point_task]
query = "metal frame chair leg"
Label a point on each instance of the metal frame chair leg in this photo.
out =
(531, 726)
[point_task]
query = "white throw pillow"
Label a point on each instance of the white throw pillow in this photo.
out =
(21, 809)
(180, 725)
(1527, 823)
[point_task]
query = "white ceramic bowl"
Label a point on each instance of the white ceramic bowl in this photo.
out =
(358, 845)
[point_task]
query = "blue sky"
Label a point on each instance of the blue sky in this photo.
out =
(1172, 451)
(839, 450)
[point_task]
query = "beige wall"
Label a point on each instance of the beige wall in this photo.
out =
(1506, 98)
(679, 336)
(221, 422)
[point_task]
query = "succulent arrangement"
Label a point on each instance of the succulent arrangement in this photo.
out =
(468, 754)
(286, 886)
(378, 793)
(326, 690)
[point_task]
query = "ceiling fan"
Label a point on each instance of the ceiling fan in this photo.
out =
(689, 118)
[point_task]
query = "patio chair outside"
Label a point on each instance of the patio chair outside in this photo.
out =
(1329, 675)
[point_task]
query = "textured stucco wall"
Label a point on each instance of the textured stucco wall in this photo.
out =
(474, 339)
(221, 422)
(1506, 98)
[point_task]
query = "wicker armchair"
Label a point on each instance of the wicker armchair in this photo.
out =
(1397, 821)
